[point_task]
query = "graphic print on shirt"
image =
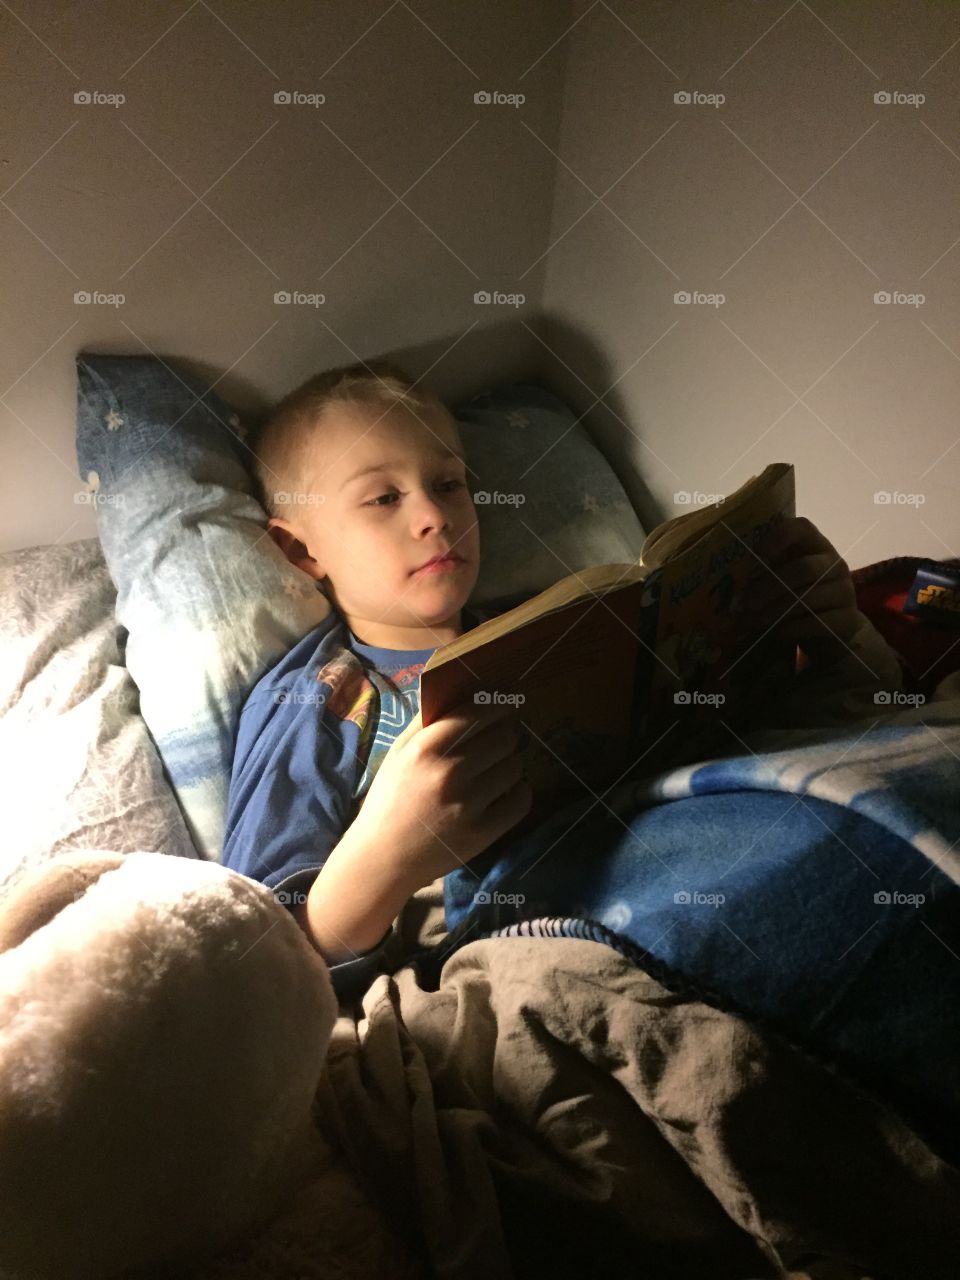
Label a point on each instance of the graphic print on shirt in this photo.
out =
(352, 697)
(399, 699)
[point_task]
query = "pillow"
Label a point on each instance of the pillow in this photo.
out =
(79, 769)
(208, 599)
(548, 502)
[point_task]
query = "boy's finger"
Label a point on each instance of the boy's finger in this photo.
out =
(797, 574)
(795, 535)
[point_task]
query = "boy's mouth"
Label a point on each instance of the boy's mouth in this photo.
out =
(445, 561)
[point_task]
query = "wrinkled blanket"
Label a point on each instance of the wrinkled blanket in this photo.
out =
(553, 1104)
(816, 888)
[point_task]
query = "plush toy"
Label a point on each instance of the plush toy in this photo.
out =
(163, 1027)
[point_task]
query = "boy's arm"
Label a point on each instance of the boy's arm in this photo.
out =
(289, 809)
(353, 902)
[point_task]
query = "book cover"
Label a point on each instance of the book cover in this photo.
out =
(630, 666)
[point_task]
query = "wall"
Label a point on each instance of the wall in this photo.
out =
(198, 198)
(798, 199)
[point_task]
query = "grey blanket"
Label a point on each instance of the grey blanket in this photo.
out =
(552, 1110)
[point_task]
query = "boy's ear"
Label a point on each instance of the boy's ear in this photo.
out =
(293, 547)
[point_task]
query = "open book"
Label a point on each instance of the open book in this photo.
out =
(622, 669)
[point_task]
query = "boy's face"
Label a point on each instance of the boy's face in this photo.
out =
(368, 535)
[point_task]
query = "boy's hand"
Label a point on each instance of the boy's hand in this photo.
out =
(442, 795)
(807, 588)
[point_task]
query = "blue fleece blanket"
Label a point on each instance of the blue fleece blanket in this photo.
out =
(814, 889)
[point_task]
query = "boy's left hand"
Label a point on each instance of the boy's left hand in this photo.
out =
(806, 591)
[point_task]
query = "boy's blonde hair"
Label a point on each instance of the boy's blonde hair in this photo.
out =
(280, 442)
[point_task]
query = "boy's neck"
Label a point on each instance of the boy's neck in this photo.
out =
(382, 635)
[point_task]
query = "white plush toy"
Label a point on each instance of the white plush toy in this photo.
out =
(163, 1026)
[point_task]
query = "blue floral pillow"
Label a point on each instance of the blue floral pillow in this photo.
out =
(209, 601)
(548, 502)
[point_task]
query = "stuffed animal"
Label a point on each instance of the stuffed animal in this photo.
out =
(163, 1027)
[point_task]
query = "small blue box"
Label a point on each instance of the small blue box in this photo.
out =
(935, 593)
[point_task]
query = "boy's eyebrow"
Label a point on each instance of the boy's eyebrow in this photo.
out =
(442, 455)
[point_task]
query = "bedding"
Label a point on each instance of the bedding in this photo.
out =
(529, 1106)
(183, 538)
(79, 768)
(538, 1084)
(549, 1110)
(815, 889)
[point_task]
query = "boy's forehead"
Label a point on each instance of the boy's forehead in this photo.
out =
(353, 434)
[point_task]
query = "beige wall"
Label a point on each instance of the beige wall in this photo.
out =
(798, 363)
(295, 197)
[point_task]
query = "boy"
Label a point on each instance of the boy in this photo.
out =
(364, 480)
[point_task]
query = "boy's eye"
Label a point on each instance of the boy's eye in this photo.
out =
(378, 501)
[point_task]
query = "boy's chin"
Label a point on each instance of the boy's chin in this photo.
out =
(439, 605)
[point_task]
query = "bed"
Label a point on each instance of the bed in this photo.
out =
(545, 1106)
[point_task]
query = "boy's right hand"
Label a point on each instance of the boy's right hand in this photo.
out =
(443, 794)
